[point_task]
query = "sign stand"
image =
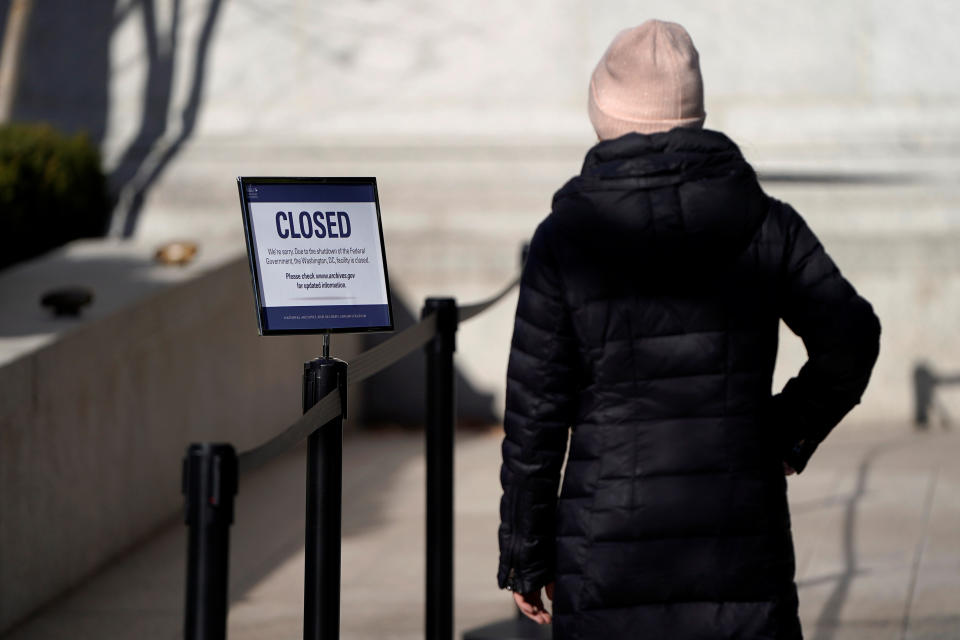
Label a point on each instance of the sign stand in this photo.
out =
(318, 266)
(321, 589)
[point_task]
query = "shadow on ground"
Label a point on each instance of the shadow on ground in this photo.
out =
(141, 595)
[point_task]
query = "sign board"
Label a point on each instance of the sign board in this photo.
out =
(316, 254)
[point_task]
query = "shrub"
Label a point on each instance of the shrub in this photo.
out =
(52, 190)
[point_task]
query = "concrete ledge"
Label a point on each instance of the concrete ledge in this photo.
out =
(96, 412)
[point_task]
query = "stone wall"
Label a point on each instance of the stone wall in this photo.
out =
(96, 416)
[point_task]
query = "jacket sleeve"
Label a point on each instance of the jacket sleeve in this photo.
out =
(540, 405)
(841, 334)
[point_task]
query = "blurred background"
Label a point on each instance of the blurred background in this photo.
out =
(471, 117)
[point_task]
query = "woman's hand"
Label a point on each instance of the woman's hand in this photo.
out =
(787, 469)
(531, 604)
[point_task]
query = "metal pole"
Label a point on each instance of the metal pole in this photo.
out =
(209, 484)
(441, 408)
(924, 382)
(321, 585)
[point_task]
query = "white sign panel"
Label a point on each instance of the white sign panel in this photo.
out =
(316, 253)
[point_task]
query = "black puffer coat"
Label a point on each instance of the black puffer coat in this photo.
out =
(647, 324)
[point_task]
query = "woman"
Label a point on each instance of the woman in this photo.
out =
(646, 329)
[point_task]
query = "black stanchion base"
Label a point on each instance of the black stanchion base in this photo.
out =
(519, 628)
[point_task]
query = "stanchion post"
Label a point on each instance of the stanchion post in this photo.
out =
(209, 485)
(923, 385)
(321, 588)
(441, 410)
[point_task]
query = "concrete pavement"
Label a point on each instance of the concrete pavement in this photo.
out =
(876, 523)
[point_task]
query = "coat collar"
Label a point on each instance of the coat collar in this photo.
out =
(681, 197)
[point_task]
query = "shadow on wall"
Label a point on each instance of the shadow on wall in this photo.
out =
(396, 396)
(64, 80)
(65, 65)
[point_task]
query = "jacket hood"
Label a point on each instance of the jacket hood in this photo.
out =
(685, 199)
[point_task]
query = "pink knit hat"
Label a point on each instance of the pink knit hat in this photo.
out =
(648, 80)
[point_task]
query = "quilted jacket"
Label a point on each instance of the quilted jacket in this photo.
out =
(645, 338)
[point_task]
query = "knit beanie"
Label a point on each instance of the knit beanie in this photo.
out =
(648, 80)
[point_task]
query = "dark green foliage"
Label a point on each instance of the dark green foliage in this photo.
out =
(52, 190)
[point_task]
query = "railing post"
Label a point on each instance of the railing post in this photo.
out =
(923, 384)
(441, 416)
(209, 485)
(321, 585)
